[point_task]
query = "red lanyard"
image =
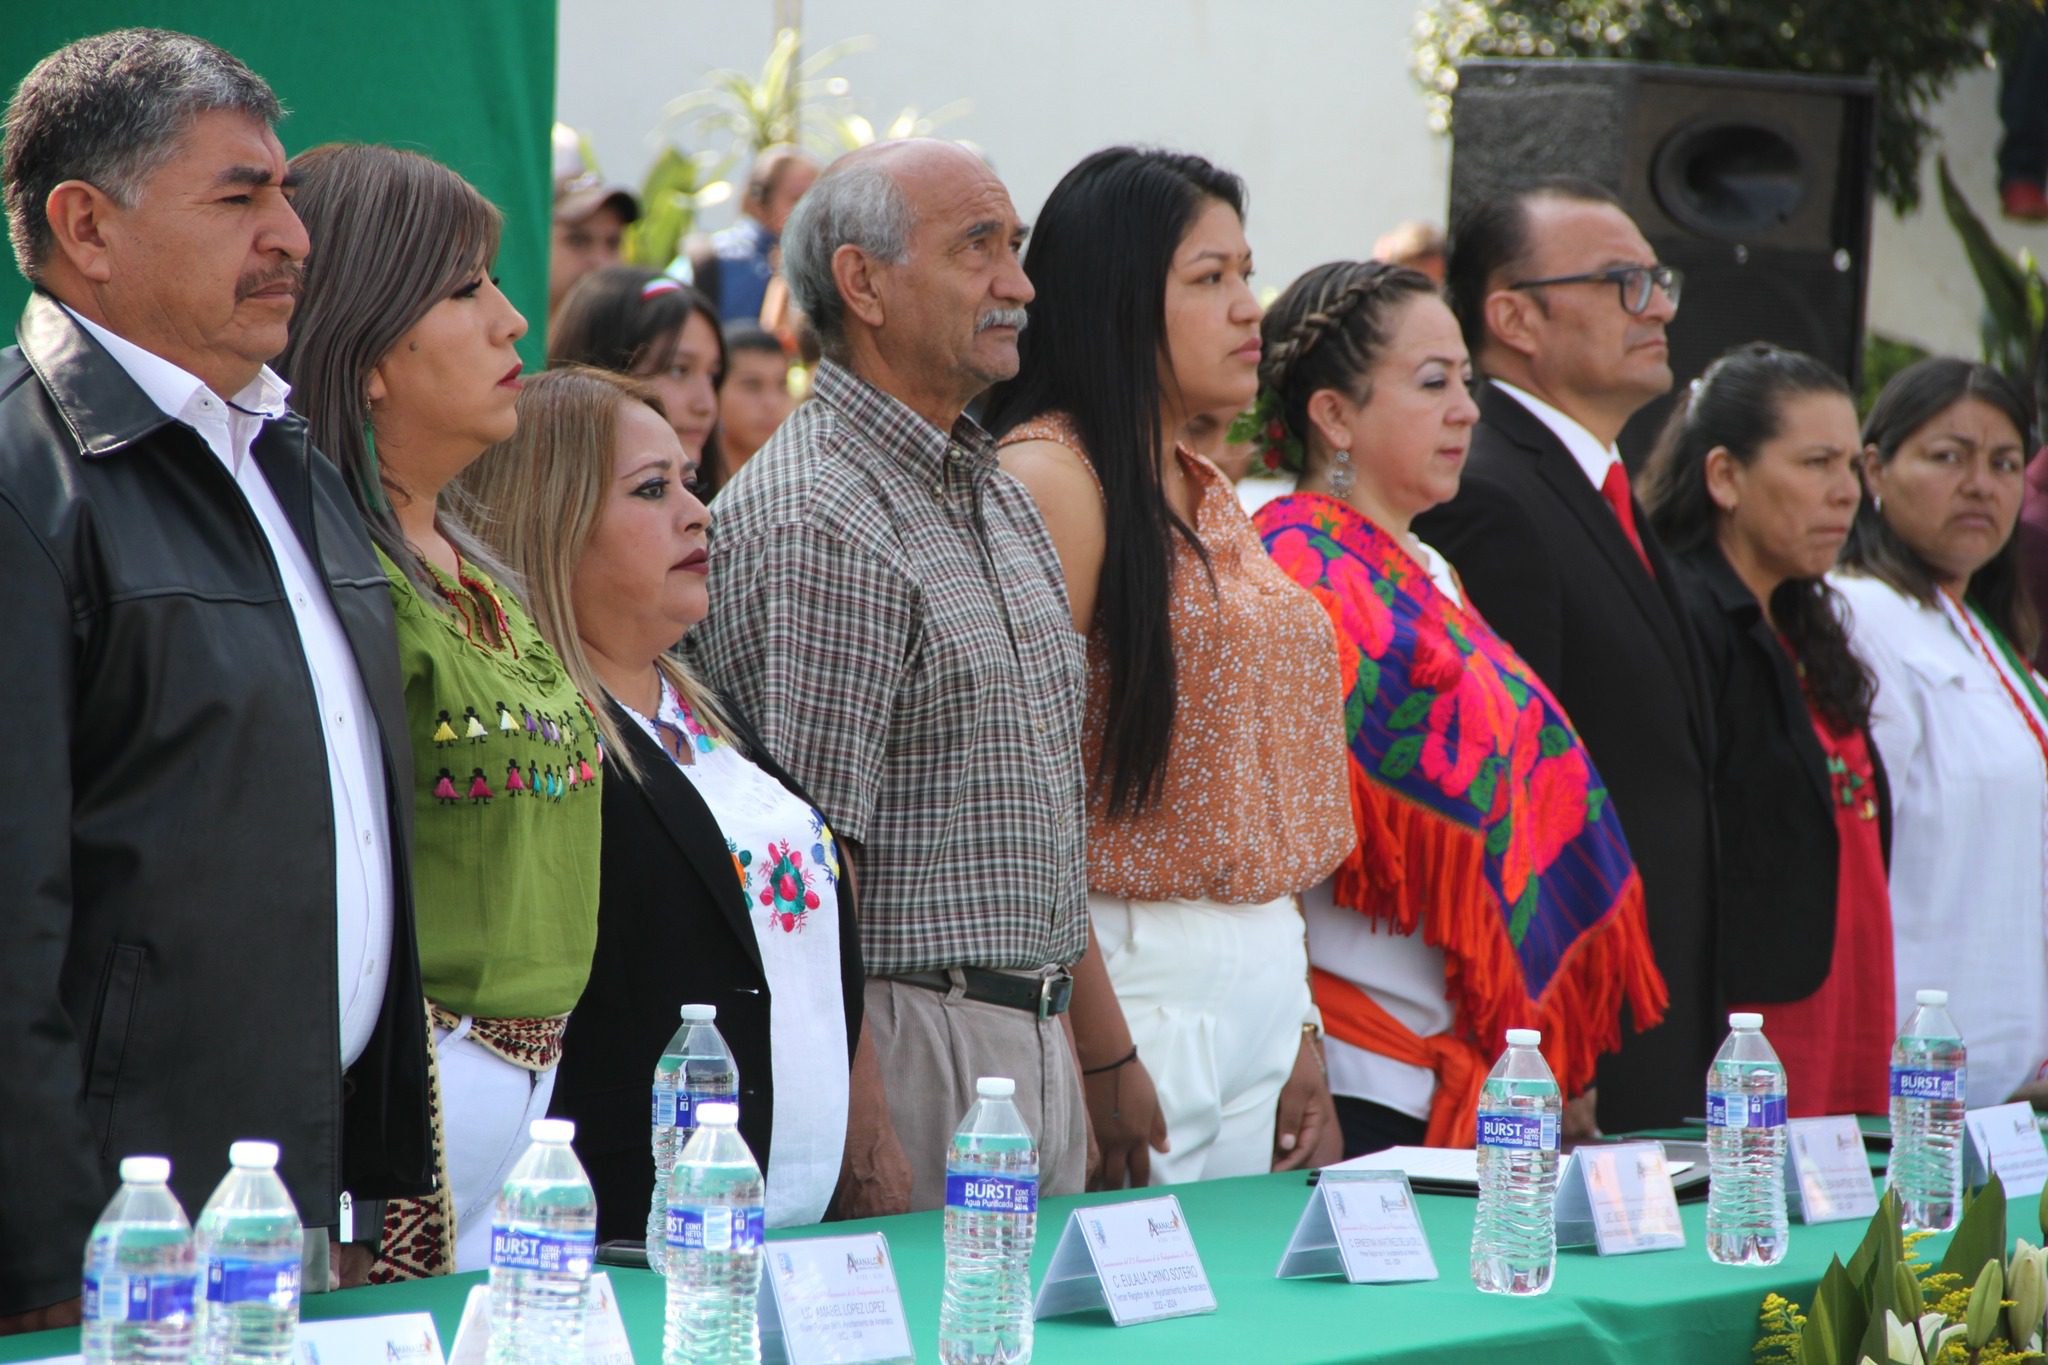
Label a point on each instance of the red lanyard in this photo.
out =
(2019, 703)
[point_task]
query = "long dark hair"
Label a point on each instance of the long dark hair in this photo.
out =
(1739, 404)
(1916, 396)
(1325, 331)
(393, 234)
(629, 319)
(1098, 259)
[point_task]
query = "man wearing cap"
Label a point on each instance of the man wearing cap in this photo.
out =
(590, 219)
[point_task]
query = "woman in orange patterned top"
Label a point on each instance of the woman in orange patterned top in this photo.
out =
(1213, 731)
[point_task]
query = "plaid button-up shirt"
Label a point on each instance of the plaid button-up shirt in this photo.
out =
(888, 609)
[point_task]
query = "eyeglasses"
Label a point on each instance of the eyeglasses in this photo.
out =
(1633, 281)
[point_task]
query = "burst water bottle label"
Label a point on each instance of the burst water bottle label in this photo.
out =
(722, 1228)
(237, 1279)
(1915, 1083)
(992, 1193)
(551, 1253)
(1524, 1132)
(139, 1298)
(1745, 1111)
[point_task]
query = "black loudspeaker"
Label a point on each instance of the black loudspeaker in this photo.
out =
(1756, 185)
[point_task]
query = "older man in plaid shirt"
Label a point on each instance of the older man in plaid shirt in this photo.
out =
(888, 608)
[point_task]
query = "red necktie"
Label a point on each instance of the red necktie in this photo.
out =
(1614, 488)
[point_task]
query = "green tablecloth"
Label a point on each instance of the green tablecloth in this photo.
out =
(1661, 1306)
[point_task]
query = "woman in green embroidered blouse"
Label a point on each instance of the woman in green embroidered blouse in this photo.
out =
(402, 359)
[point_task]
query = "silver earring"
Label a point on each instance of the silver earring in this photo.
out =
(1877, 503)
(1340, 472)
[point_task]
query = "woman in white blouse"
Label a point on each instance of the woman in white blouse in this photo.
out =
(1936, 608)
(720, 882)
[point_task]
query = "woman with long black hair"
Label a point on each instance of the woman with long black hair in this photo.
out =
(1212, 730)
(1752, 489)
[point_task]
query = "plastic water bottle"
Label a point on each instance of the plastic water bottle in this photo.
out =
(991, 1220)
(249, 1244)
(543, 1241)
(714, 1219)
(1929, 1086)
(1514, 1232)
(695, 1067)
(1746, 1221)
(140, 1275)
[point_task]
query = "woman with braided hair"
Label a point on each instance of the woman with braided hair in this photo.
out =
(1491, 887)
(1212, 727)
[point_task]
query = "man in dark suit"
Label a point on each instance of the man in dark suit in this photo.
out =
(1564, 307)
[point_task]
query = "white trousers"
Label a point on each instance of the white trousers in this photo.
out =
(486, 1105)
(1215, 996)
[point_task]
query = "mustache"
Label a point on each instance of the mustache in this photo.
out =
(287, 272)
(1002, 317)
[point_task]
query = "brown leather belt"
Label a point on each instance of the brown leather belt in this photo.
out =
(1044, 996)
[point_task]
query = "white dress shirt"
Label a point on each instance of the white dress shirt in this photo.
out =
(1969, 867)
(1403, 974)
(355, 762)
(1585, 447)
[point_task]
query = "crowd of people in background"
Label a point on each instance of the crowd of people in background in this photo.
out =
(407, 737)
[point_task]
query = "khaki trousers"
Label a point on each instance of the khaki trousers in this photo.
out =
(933, 1045)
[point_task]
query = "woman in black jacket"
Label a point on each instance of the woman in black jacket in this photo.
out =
(720, 882)
(1752, 488)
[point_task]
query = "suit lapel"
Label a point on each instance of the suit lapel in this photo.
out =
(682, 813)
(1554, 463)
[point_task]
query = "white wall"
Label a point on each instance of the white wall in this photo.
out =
(1312, 101)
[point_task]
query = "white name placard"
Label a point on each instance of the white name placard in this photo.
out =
(396, 1338)
(832, 1301)
(2004, 1141)
(1136, 1259)
(604, 1331)
(1364, 1224)
(1827, 1173)
(1619, 1198)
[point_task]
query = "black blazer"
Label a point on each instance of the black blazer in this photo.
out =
(672, 928)
(1778, 845)
(1548, 566)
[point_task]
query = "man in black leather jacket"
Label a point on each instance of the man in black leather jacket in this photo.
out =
(205, 911)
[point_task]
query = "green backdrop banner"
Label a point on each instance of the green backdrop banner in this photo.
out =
(468, 82)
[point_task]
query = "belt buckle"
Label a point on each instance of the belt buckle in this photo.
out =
(1051, 986)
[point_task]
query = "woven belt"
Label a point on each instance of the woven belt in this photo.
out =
(1044, 996)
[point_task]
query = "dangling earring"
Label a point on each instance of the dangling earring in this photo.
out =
(1877, 503)
(1340, 472)
(369, 479)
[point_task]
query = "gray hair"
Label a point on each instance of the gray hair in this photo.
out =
(855, 203)
(110, 110)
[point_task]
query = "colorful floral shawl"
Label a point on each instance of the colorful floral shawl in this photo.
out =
(1481, 818)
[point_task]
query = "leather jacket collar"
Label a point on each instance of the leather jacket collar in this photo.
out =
(105, 409)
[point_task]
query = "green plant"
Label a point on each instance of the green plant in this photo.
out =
(2015, 297)
(1883, 358)
(784, 104)
(1913, 48)
(1890, 1307)
(677, 186)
